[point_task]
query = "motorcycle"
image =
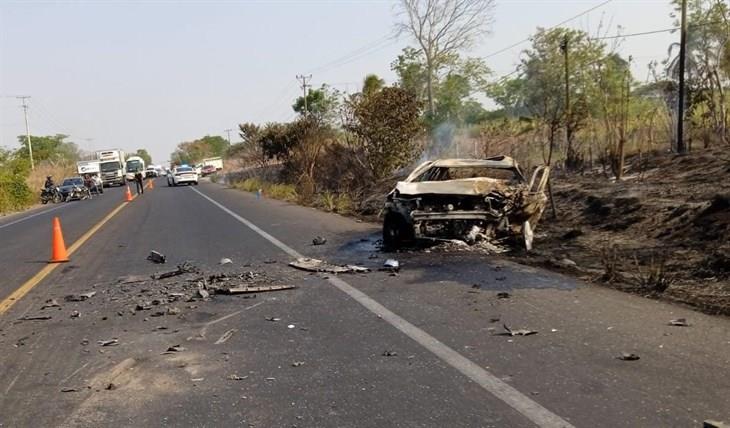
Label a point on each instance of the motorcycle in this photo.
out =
(51, 194)
(78, 192)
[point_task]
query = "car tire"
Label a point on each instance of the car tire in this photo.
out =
(396, 232)
(195, 183)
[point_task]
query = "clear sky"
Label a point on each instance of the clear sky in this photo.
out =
(134, 74)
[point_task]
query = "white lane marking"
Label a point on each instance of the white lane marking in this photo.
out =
(529, 408)
(32, 215)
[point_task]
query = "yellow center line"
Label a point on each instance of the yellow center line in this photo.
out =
(21, 291)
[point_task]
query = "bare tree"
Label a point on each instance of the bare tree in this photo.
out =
(442, 28)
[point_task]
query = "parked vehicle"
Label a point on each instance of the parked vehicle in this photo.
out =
(135, 164)
(73, 188)
(466, 199)
(151, 172)
(216, 162)
(111, 166)
(51, 194)
(183, 175)
(207, 170)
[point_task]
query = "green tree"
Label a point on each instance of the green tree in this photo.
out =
(372, 84)
(707, 64)
(194, 151)
(442, 30)
(144, 154)
(540, 89)
(51, 148)
(386, 126)
(323, 103)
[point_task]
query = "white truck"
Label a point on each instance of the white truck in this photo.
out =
(112, 166)
(135, 164)
(216, 162)
(88, 167)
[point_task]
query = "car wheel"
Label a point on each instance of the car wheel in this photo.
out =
(396, 232)
(195, 183)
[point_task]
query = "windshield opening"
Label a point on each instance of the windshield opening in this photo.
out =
(109, 166)
(134, 166)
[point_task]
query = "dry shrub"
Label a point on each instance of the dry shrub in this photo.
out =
(58, 170)
(655, 277)
(611, 261)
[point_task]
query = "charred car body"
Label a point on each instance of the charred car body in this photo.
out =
(466, 199)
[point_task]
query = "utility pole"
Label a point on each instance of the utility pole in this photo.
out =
(27, 130)
(564, 46)
(304, 87)
(228, 131)
(681, 147)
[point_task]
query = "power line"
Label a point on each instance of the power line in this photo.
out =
(549, 28)
(643, 33)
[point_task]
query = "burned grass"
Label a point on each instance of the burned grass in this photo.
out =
(662, 232)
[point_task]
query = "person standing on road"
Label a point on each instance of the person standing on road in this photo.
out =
(138, 181)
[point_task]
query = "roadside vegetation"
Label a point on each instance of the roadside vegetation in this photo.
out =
(572, 103)
(19, 184)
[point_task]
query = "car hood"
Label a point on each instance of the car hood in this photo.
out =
(468, 187)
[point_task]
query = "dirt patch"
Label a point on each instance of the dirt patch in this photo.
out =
(661, 232)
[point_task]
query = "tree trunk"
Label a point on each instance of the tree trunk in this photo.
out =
(429, 87)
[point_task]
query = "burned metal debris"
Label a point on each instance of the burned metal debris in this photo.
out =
(315, 265)
(472, 200)
(156, 257)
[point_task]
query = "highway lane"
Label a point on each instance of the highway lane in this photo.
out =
(26, 237)
(345, 380)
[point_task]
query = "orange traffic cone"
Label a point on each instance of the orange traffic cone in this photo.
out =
(58, 247)
(152, 183)
(128, 195)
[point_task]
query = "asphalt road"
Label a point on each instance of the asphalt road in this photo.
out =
(420, 349)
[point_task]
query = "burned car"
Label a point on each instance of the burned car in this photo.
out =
(465, 199)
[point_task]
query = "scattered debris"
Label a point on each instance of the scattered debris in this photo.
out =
(391, 265)
(225, 261)
(203, 293)
(315, 265)
(225, 336)
(318, 240)
(679, 322)
(75, 314)
(270, 378)
(35, 318)
(186, 267)
(173, 311)
(174, 348)
(111, 342)
(131, 279)
(255, 289)
(236, 377)
(626, 356)
(297, 363)
(69, 389)
(566, 262)
(503, 295)
(156, 257)
(272, 319)
(290, 326)
(388, 353)
(50, 303)
(520, 332)
(79, 297)
(494, 319)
